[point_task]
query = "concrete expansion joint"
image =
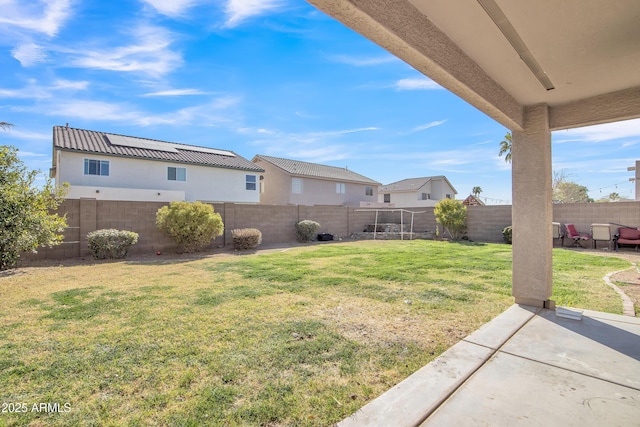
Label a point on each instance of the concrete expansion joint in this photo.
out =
(493, 352)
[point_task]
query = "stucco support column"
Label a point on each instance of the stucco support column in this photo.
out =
(532, 212)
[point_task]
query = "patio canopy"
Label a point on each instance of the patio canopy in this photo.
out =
(533, 66)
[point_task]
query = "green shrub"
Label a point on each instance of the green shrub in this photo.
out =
(110, 243)
(192, 225)
(507, 234)
(452, 215)
(246, 238)
(306, 230)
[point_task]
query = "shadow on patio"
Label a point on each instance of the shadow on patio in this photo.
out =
(528, 366)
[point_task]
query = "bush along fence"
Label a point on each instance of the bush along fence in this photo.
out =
(277, 223)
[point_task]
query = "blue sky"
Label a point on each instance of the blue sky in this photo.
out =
(273, 77)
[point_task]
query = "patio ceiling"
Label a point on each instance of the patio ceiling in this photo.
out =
(503, 55)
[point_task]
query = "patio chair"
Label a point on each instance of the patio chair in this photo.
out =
(557, 233)
(572, 233)
(601, 232)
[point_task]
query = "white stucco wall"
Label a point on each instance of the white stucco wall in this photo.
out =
(203, 183)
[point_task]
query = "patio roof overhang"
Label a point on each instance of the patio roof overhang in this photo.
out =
(502, 56)
(535, 67)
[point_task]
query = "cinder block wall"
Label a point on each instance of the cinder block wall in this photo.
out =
(277, 223)
(485, 223)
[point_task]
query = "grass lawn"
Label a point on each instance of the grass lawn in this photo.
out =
(304, 336)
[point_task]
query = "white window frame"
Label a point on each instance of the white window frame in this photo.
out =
(251, 182)
(386, 197)
(177, 175)
(100, 167)
(341, 188)
(368, 190)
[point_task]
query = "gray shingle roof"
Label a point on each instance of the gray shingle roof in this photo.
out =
(315, 170)
(88, 141)
(412, 184)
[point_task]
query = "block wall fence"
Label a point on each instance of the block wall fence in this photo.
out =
(277, 222)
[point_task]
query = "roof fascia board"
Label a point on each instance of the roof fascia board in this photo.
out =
(408, 34)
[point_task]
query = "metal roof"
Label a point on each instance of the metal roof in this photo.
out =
(315, 170)
(88, 141)
(413, 184)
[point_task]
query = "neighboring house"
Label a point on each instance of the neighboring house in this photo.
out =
(302, 183)
(472, 201)
(416, 192)
(115, 167)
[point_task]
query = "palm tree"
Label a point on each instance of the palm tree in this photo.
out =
(476, 191)
(505, 147)
(5, 125)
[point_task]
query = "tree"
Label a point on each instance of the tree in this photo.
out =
(192, 225)
(25, 219)
(505, 147)
(452, 215)
(614, 197)
(570, 192)
(5, 125)
(559, 176)
(476, 191)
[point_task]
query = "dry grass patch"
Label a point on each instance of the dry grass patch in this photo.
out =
(301, 337)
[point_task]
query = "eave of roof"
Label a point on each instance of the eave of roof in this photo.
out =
(297, 168)
(86, 141)
(409, 185)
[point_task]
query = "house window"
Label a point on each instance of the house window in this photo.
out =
(368, 191)
(448, 196)
(176, 174)
(251, 182)
(96, 167)
(341, 187)
(387, 198)
(296, 185)
(425, 196)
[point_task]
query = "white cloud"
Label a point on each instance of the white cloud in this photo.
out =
(363, 61)
(16, 133)
(202, 115)
(416, 84)
(315, 146)
(173, 8)
(41, 16)
(240, 10)
(175, 92)
(29, 54)
(149, 53)
(427, 126)
(35, 91)
(62, 84)
(29, 92)
(600, 133)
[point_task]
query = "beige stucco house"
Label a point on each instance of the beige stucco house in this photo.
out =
(107, 166)
(287, 181)
(414, 192)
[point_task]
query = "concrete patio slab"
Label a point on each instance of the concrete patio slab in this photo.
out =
(527, 367)
(604, 348)
(511, 390)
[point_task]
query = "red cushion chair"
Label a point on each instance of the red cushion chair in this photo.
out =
(572, 233)
(627, 236)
